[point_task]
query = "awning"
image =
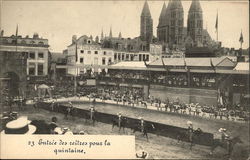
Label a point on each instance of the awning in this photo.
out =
(137, 86)
(247, 96)
(43, 86)
(123, 85)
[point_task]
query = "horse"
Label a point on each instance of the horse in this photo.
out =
(226, 144)
(189, 136)
(123, 122)
(147, 127)
(70, 110)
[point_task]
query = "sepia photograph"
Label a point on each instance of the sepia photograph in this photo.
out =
(126, 79)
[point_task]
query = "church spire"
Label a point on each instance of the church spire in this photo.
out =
(145, 10)
(195, 6)
(146, 27)
(162, 16)
(195, 23)
(110, 32)
(120, 35)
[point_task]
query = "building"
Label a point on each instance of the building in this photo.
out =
(146, 28)
(171, 31)
(58, 69)
(84, 54)
(25, 57)
(191, 80)
(155, 51)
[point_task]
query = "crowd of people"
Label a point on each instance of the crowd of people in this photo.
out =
(12, 123)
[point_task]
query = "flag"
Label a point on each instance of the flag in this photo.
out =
(76, 51)
(16, 30)
(241, 37)
(216, 23)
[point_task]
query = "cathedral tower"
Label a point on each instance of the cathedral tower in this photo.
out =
(176, 19)
(146, 24)
(195, 23)
(162, 26)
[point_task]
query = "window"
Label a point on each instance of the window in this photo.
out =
(103, 61)
(110, 60)
(115, 56)
(82, 51)
(40, 69)
(123, 56)
(32, 68)
(89, 52)
(32, 42)
(140, 57)
(95, 61)
(119, 56)
(96, 52)
(127, 57)
(180, 31)
(104, 53)
(81, 60)
(172, 22)
(40, 55)
(147, 57)
(32, 55)
(131, 57)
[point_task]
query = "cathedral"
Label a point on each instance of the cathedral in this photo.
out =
(171, 31)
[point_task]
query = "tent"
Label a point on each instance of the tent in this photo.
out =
(43, 89)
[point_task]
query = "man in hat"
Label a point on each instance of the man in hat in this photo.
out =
(53, 124)
(92, 112)
(19, 126)
(142, 154)
(224, 135)
(119, 115)
(69, 110)
(190, 130)
(52, 105)
(142, 124)
(190, 125)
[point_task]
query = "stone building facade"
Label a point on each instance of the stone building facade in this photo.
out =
(22, 59)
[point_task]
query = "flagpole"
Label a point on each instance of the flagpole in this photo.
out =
(217, 29)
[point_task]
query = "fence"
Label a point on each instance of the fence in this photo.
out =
(160, 129)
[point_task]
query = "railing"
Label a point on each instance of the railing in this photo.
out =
(160, 129)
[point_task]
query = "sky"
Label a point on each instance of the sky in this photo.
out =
(59, 20)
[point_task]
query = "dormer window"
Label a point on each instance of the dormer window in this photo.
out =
(23, 42)
(89, 41)
(41, 43)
